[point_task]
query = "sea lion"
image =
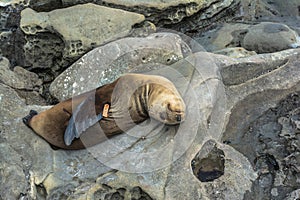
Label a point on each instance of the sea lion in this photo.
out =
(117, 106)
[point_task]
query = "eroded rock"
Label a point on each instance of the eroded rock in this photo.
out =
(256, 104)
(31, 169)
(208, 164)
(11, 36)
(270, 10)
(65, 173)
(293, 195)
(86, 29)
(104, 64)
(237, 178)
(235, 52)
(19, 78)
(264, 37)
(27, 84)
(269, 37)
(223, 36)
(102, 191)
(164, 12)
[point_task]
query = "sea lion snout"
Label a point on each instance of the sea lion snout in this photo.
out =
(167, 115)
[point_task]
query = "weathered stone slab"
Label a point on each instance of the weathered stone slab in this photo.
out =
(104, 64)
(268, 37)
(19, 78)
(235, 52)
(82, 26)
(169, 11)
(249, 98)
(264, 37)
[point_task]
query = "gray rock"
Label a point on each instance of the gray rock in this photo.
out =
(224, 36)
(30, 169)
(12, 166)
(264, 37)
(45, 5)
(253, 74)
(255, 103)
(13, 180)
(104, 64)
(268, 37)
(235, 72)
(293, 195)
(274, 10)
(27, 84)
(49, 49)
(19, 78)
(28, 161)
(82, 33)
(235, 52)
(161, 162)
(164, 12)
(237, 178)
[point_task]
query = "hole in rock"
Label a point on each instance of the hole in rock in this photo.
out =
(209, 163)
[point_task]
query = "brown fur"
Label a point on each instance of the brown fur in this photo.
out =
(156, 97)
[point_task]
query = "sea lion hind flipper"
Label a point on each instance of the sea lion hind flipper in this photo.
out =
(83, 117)
(27, 118)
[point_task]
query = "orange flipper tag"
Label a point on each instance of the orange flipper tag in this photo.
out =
(105, 110)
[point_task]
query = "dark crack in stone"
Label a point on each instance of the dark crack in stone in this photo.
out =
(208, 164)
(138, 194)
(45, 5)
(107, 192)
(11, 37)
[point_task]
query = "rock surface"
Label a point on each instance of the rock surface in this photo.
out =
(165, 12)
(235, 52)
(271, 10)
(20, 78)
(79, 174)
(263, 99)
(86, 27)
(269, 37)
(264, 37)
(223, 36)
(104, 64)
(256, 115)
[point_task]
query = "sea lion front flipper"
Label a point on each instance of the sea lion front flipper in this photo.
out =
(83, 117)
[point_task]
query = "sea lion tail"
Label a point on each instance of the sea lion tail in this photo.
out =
(27, 119)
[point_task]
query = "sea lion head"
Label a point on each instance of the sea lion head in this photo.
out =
(166, 105)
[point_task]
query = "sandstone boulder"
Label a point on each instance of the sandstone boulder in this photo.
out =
(270, 37)
(88, 25)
